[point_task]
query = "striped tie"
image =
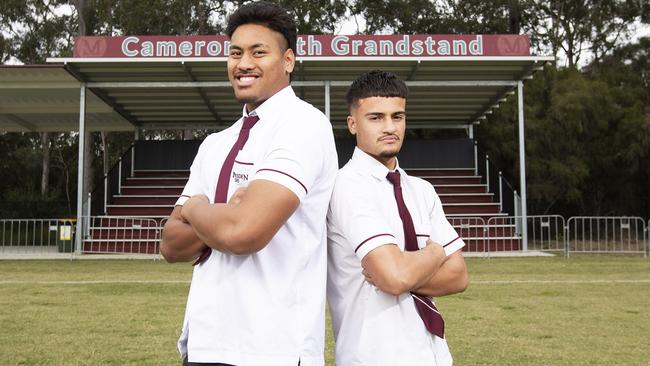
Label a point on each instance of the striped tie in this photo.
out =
(221, 194)
(426, 309)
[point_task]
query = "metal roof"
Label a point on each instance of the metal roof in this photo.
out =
(166, 93)
(46, 98)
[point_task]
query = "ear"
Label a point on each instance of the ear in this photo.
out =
(352, 125)
(289, 61)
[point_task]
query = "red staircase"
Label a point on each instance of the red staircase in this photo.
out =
(472, 210)
(134, 219)
(135, 216)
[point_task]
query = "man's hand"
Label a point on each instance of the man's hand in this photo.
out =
(191, 204)
(237, 196)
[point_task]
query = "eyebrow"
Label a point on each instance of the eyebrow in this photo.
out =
(256, 45)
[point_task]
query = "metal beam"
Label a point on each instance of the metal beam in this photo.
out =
(103, 96)
(215, 114)
(80, 169)
(522, 164)
(327, 99)
(223, 84)
(492, 103)
(21, 122)
(414, 70)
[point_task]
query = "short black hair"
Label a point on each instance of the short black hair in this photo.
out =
(268, 14)
(375, 83)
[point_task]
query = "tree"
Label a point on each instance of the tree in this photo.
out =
(36, 32)
(575, 27)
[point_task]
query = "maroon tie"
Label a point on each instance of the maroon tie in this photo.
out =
(221, 195)
(427, 310)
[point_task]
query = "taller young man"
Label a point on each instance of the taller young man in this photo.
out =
(390, 246)
(258, 291)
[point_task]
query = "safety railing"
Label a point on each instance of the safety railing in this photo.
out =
(472, 231)
(111, 183)
(504, 193)
(122, 235)
(546, 233)
(603, 234)
(36, 236)
(503, 233)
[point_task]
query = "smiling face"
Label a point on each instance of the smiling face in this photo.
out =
(259, 64)
(379, 124)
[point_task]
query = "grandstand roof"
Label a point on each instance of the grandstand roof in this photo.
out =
(194, 92)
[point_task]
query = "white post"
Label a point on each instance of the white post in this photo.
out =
(89, 213)
(522, 165)
(487, 172)
(80, 168)
(105, 192)
(470, 131)
(119, 177)
(327, 99)
(136, 137)
(500, 192)
(475, 158)
(132, 159)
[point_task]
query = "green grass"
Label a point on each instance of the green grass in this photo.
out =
(581, 311)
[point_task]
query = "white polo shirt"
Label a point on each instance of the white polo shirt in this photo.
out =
(266, 308)
(372, 327)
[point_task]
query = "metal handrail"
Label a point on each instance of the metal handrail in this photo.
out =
(111, 183)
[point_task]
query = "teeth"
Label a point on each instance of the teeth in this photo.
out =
(247, 78)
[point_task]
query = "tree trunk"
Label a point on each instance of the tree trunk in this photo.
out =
(45, 175)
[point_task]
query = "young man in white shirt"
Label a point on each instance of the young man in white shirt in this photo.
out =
(390, 247)
(257, 295)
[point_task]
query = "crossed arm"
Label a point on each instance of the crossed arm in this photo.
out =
(242, 226)
(427, 271)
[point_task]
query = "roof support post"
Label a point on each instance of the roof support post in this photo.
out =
(522, 165)
(80, 169)
(327, 99)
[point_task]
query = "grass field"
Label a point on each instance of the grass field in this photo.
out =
(588, 310)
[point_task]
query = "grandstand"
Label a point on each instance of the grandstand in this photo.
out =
(106, 87)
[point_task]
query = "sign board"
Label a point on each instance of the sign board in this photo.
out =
(308, 46)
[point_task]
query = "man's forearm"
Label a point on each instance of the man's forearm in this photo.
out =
(245, 227)
(396, 272)
(179, 242)
(451, 278)
(420, 266)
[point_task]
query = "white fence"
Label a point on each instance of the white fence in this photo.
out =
(36, 237)
(137, 235)
(601, 234)
(114, 234)
(473, 231)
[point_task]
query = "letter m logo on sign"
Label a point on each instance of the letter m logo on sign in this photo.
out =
(513, 45)
(90, 47)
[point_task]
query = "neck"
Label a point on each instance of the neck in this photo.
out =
(390, 163)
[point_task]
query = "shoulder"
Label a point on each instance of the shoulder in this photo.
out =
(301, 112)
(215, 137)
(422, 189)
(351, 183)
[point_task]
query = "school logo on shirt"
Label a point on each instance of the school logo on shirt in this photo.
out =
(239, 177)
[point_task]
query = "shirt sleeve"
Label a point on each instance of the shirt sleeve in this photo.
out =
(193, 185)
(296, 156)
(357, 217)
(442, 231)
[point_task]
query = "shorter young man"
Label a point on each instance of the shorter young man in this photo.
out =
(390, 246)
